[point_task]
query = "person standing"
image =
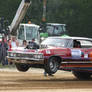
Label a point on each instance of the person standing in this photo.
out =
(14, 43)
(3, 51)
(9, 44)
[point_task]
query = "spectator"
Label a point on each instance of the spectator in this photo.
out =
(24, 44)
(9, 44)
(14, 42)
(33, 45)
(3, 51)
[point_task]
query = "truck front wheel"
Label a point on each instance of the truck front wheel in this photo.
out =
(52, 65)
(22, 67)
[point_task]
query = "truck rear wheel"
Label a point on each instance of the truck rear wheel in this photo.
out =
(52, 65)
(82, 75)
(22, 67)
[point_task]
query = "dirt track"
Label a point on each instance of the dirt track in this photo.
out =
(13, 81)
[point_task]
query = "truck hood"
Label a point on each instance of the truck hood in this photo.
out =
(21, 49)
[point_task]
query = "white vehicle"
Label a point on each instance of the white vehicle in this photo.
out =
(28, 32)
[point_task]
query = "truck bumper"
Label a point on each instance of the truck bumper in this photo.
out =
(25, 60)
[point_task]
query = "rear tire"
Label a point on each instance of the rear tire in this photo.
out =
(22, 67)
(52, 65)
(82, 75)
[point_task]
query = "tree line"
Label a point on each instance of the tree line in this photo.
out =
(76, 14)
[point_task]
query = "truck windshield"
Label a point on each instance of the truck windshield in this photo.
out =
(27, 32)
(21, 32)
(58, 42)
(55, 30)
(31, 32)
